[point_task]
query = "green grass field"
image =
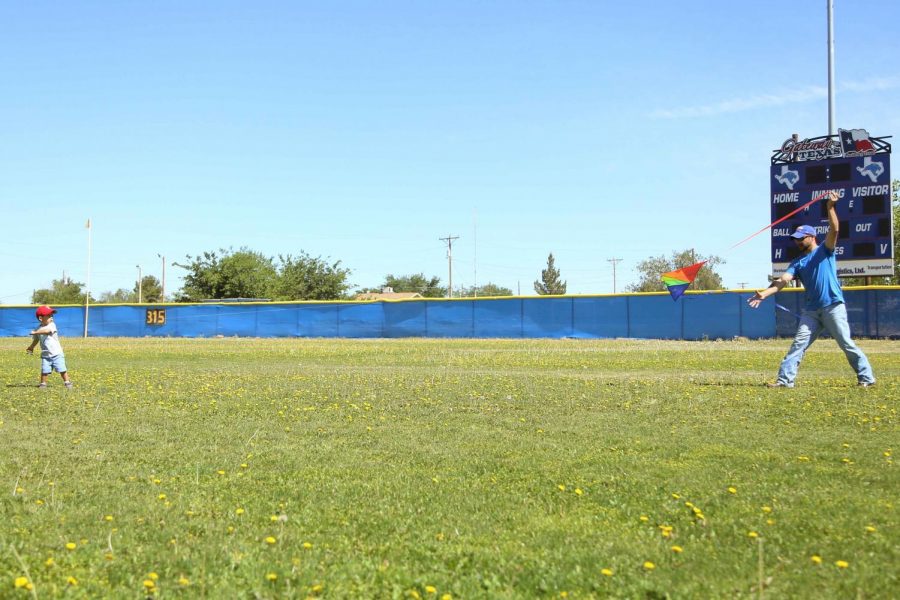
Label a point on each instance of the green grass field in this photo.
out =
(236, 468)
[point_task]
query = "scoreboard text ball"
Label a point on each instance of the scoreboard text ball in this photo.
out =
(861, 176)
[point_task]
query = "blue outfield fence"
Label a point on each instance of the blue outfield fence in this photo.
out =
(873, 312)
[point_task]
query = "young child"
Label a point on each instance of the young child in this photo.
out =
(52, 356)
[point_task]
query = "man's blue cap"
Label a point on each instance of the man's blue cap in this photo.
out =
(803, 231)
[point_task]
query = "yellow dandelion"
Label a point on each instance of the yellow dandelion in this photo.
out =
(732, 490)
(71, 545)
(274, 518)
(752, 534)
(803, 458)
(244, 465)
(271, 576)
(184, 580)
(841, 564)
(649, 565)
(606, 572)
(447, 597)
(561, 487)
(21, 582)
(149, 584)
(317, 589)
(644, 518)
(71, 581)
(578, 491)
(430, 589)
(676, 495)
(270, 540)
(153, 575)
(677, 549)
(108, 518)
(307, 545)
(220, 472)
(39, 502)
(49, 562)
(870, 529)
(108, 556)
(816, 559)
(239, 511)
(162, 496)
(413, 594)
(767, 509)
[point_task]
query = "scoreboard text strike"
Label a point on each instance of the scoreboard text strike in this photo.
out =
(858, 168)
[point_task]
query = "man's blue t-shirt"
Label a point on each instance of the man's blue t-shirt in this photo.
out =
(817, 272)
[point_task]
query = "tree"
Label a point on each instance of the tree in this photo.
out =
(429, 288)
(61, 291)
(151, 291)
(652, 269)
(228, 274)
(485, 291)
(120, 296)
(550, 283)
(307, 278)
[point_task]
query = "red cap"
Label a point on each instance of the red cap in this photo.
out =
(44, 311)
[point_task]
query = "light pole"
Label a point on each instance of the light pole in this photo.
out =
(830, 8)
(140, 284)
(163, 296)
(87, 296)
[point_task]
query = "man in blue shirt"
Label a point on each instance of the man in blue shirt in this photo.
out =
(824, 308)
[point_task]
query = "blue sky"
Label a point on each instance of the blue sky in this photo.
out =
(365, 131)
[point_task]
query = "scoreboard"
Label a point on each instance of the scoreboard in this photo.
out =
(858, 168)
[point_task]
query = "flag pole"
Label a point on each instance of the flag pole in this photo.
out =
(87, 296)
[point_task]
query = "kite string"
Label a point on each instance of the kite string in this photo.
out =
(787, 216)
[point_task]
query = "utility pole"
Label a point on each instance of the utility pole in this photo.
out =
(140, 284)
(614, 262)
(449, 239)
(743, 284)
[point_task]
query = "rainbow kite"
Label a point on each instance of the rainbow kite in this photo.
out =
(677, 281)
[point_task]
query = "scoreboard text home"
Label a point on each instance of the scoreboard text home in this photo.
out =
(858, 168)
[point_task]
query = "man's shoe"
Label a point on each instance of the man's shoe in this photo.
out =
(778, 384)
(68, 385)
(42, 385)
(865, 384)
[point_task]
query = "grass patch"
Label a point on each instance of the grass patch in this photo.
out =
(474, 468)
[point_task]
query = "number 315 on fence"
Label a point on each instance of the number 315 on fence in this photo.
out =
(156, 316)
